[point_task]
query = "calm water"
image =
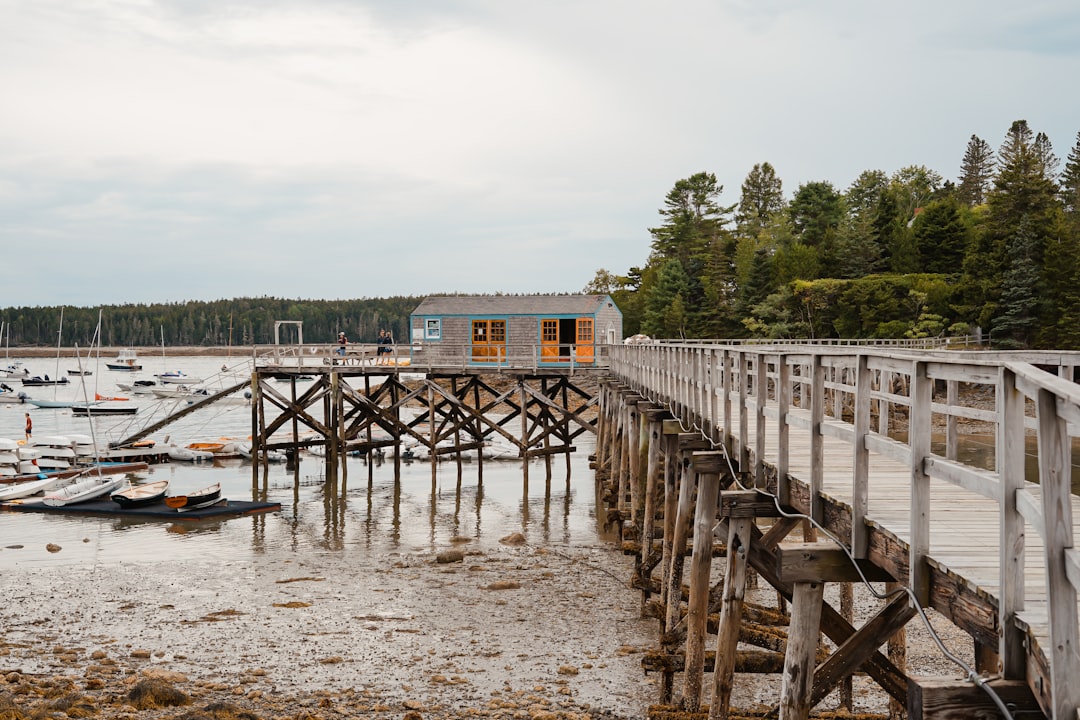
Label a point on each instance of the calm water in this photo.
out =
(365, 511)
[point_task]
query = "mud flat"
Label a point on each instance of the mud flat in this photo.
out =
(506, 631)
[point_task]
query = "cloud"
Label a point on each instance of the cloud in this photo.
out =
(352, 148)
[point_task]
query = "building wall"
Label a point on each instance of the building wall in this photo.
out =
(522, 333)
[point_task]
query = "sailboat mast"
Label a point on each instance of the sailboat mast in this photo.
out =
(59, 335)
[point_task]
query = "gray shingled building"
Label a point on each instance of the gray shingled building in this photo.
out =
(529, 329)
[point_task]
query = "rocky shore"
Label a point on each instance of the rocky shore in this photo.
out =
(506, 631)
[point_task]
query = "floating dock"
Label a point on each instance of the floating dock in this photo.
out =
(160, 510)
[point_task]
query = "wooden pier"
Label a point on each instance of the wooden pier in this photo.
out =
(721, 451)
(354, 405)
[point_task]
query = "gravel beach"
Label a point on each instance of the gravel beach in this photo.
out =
(495, 633)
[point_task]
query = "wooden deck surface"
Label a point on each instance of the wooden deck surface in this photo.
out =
(964, 526)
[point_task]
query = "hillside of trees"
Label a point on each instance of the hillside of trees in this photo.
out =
(242, 321)
(906, 255)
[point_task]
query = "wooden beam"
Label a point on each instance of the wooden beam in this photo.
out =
(747, 504)
(824, 562)
(854, 651)
(936, 698)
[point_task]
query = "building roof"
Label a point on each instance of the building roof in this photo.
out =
(512, 305)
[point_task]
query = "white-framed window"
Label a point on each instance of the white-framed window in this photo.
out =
(433, 329)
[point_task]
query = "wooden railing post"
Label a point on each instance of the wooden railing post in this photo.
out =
(761, 397)
(1055, 460)
(1010, 467)
(861, 463)
(783, 434)
(919, 413)
(817, 417)
(744, 419)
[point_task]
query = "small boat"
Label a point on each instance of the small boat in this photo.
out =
(139, 387)
(183, 454)
(141, 495)
(273, 456)
(84, 490)
(14, 372)
(87, 411)
(80, 373)
(38, 380)
(9, 395)
(126, 360)
(210, 446)
(56, 452)
(178, 378)
(59, 404)
(17, 490)
(99, 396)
(198, 499)
(180, 392)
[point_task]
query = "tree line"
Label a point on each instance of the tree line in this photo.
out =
(241, 321)
(902, 255)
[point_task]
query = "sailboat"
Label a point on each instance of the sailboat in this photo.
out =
(54, 403)
(177, 378)
(11, 370)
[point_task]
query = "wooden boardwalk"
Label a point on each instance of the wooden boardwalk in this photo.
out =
(845, 435)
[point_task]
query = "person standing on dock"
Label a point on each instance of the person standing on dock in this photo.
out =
(29, 427)
(342, 342)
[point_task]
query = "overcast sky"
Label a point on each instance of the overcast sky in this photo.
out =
(168, 150)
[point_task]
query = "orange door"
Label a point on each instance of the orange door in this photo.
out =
(549, 340)
(488, 340)
(585, 340)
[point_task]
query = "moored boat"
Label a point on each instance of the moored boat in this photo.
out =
(39, 380)
(28, 488)
(200, 498)
(10, 395)
(178, 378)
(175, 452)
(105, 409)
(141, 495)
(126, 360)
(83, 490)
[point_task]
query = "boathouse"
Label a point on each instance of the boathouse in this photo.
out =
(548, 330)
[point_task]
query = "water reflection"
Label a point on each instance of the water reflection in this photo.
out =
(366, 507)
(979, 451)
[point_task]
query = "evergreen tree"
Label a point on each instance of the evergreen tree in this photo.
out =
(1023, 193)
(760, 283)
(762, 198)
(1017, 322)
(976, 172)
(1045, 157)
(669, 290)
(859, 245)
(941, 237)
(1070, 180)
(695, 236)
(816, 213)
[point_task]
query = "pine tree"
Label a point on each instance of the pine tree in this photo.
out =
(762, 198)
(1070, 180)
(695, 236)
(671, 283)
(976, 172)
(941, 237)
(1016, 324)
(816, 213)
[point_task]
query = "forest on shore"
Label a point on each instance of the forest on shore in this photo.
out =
(996, 253)
(224, 323)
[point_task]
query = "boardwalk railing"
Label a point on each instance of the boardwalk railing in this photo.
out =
(437, 356)
(773, 408)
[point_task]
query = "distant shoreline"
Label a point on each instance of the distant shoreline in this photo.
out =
(241, 351)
